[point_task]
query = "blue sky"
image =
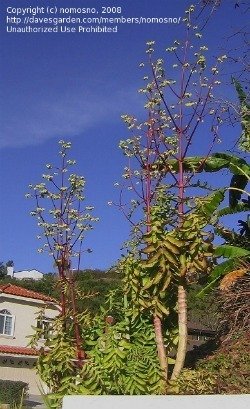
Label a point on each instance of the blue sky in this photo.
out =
(75, 87)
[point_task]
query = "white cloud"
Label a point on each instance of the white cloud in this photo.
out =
(32, 117)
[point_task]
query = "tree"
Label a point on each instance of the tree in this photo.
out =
(63, 220)
(167, 254)
(3, 270)
(236, 247)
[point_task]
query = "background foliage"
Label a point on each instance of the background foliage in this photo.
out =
(12, 392)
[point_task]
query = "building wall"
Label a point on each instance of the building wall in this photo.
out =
(13, 367)
(34, 274)
(25, 312)
(20, 369)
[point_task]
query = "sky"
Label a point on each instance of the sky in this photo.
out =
(75, 86)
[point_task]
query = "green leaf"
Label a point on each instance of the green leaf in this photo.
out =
(172, 244)
(162, 308)
(214, 163)
(157, 278)
(241, 94)
(238, 183)
(211, 202)
(171, 361)
(120, 353)
(149, 249)
(228, 251)
(244, 140)
(240, 207)
(170, 257)
(166, 283)
(217, 273)
(241, 175)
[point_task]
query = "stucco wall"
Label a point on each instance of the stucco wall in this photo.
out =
(34, 274)
(25, 313)
(20, 369)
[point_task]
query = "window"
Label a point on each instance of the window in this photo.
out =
(6, 323)
(44, 324)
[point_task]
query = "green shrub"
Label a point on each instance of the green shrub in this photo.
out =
(12, 392)
(231, 363)
(197, 382)
(224, 371)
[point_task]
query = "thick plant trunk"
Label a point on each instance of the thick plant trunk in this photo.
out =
(160, 347)
(182, 321)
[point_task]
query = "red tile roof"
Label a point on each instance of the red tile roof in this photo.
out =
(6, 349)
(23, 292)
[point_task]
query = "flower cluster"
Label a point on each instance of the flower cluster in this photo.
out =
(59, 211)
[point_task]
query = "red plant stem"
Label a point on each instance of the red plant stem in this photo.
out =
(66, 275)
(160, 346)
(182, 323)
(148, 177)
(71, 284)
(181, 154)
(157, 322)
(62, 295)
(80, 353)
(182, 310)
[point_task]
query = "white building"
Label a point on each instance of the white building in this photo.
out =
(20, 275)
(19, 309)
